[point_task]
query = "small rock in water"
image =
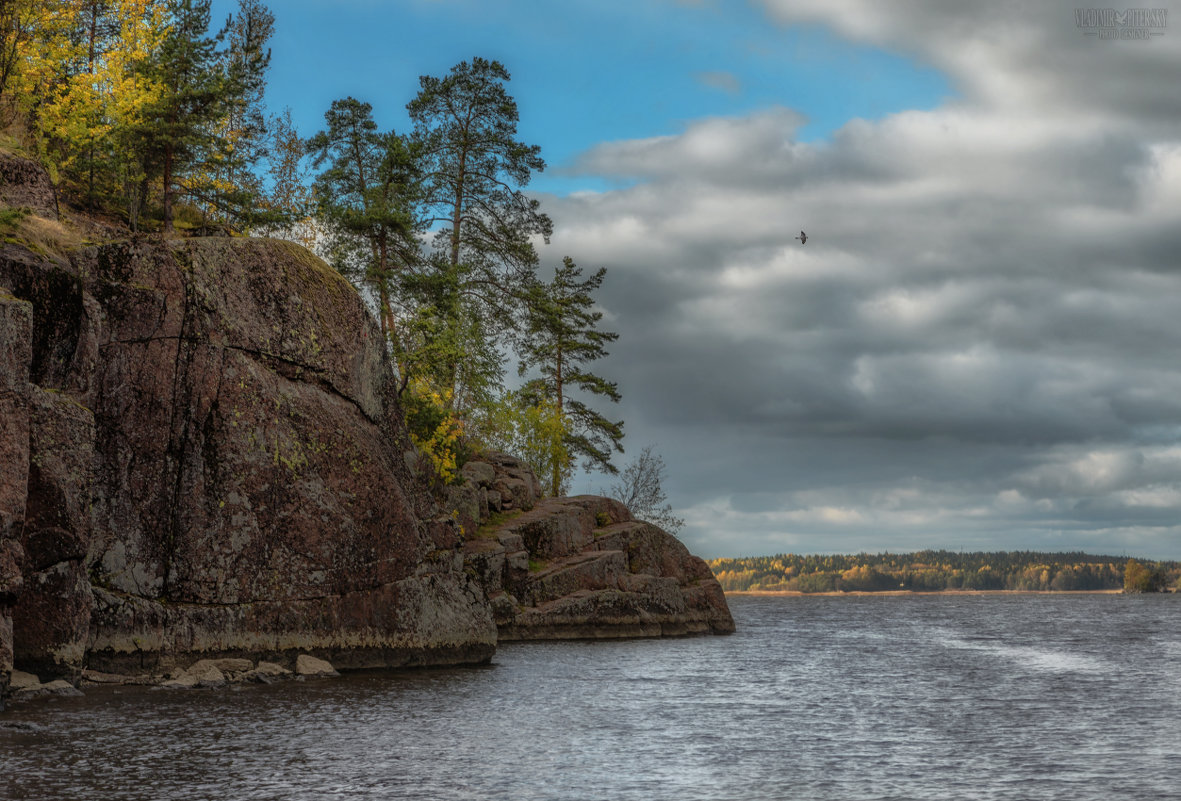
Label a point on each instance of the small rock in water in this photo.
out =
(58, 687)
(207, 674)
(306, 665)
(216, 672)
(204, 673)
(267, 672)
(180, 681)
(230, 668)
(19, 680)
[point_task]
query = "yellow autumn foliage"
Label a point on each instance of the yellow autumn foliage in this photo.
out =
(434, 429)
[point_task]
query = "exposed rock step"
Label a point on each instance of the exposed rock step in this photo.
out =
(582, 567)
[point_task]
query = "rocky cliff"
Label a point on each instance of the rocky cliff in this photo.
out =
(202, 457)
(581, 567)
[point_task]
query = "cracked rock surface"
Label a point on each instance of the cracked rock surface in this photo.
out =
(204, 458)
(581, 567)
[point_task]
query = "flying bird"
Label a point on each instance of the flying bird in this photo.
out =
(803, 238)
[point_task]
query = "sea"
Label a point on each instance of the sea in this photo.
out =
(989, 696)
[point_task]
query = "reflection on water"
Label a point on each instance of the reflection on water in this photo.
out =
(934, 697)
(1038, 658)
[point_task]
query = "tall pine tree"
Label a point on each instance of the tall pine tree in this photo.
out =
(176, 132)
(243, 130)
(562, 337)
(474, 171)
(366, 194)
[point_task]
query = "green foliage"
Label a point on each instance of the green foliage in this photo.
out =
(370, 197)
(562, 336)
(234, 175)
(366, 196)
(19, 21)
(127, 102)
(533, 431)
(450, 315)
(290, 196)
(817, 582)
(475, 169)
(495, 521)
(933, 571)
(444, 338)
(175, 133)
(10, 218)
(473, 172)
(866, 579)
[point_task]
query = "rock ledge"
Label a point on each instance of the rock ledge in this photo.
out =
(579, 567)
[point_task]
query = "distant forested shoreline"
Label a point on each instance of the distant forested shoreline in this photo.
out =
(933, 571)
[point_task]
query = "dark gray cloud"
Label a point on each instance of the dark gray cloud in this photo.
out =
(977, 346)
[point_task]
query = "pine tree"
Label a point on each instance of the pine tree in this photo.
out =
(474, 170)
(476, 167)
(562, 336)
(445, 338)
(243, 130)
(366, 195)
(175, 131)
(98, 26)
(131, 92)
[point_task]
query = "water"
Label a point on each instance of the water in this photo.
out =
(932, 697)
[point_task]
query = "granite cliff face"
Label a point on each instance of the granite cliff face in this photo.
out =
(202, 457)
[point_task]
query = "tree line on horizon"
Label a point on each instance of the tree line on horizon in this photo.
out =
(933, 571)
(143, 113)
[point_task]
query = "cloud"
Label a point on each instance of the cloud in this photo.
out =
(715, 148)
(1012, 55)
(977, 345)
(725, 81)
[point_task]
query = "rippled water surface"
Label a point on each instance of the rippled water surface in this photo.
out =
(982, 697)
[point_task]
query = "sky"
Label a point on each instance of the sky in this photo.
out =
(978, 346)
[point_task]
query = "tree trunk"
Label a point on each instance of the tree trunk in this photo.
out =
(456, 221)
(457, 211)
(387, 310)
(557, 466)
(167, 196)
